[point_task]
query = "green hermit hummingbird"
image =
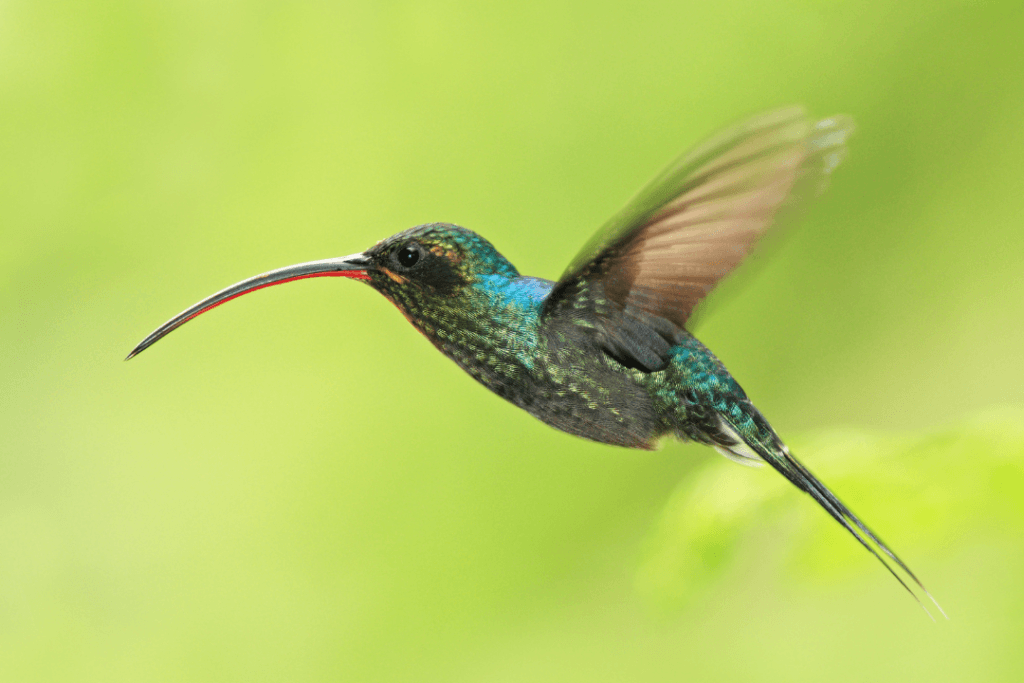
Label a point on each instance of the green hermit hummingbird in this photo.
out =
(604, 353)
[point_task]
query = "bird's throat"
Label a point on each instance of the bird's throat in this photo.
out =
(489, 328)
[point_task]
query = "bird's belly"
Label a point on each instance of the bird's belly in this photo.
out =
(574, 388)
(609, 408)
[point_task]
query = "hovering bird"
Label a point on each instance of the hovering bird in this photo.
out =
(604, 353)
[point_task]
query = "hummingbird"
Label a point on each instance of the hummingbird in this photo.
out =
(604, 353)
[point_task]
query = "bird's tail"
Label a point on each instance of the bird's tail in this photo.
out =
(780, 458)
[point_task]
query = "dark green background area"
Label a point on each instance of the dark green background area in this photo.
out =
(299, 487)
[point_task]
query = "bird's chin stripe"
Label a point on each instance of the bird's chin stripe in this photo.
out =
(399, 279)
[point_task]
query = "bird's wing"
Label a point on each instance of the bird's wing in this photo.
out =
(639, 278)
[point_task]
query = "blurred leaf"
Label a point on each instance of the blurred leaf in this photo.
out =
(933, 491)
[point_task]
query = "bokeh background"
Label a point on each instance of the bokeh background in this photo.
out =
(298, 487)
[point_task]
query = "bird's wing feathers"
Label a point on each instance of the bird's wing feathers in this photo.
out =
(647, 268)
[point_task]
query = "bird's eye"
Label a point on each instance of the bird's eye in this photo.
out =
(408, 256)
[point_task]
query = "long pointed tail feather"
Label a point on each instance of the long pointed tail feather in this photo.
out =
(791, 468)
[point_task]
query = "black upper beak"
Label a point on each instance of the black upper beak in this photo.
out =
(354, 266)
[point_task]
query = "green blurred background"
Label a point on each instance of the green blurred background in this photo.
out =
(299, 487)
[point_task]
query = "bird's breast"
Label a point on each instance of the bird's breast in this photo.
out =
(557, 374)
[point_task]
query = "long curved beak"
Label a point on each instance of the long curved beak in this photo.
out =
(354, 266)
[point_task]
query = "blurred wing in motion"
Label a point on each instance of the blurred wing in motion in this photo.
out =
(646, 269)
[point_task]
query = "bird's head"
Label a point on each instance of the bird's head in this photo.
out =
(432, 261)
(421, 270)
(429, 272)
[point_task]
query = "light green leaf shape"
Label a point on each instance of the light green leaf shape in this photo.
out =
(924, 494)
